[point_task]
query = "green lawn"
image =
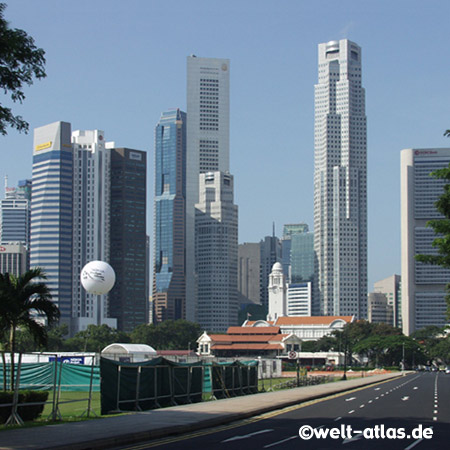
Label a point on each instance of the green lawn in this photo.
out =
(73, 404)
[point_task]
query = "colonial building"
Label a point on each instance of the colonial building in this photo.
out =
(265, 341)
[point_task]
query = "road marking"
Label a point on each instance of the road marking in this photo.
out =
(350, 399)
(377, 389)
(337, 419)
(414, 444)
(415, 387)
(405, 398)
(434, 418)
(281, 442)
(435, 411)
(352, 411)
(370, 401)
(362, 406)
(376, 398)
(246, 436)
(355, 437)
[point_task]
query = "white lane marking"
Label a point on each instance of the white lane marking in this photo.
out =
(281, 442)
(377, 389)
(434, 418)
(337, 419)
(414, 444)
(362, 406)
(370, 401)
(246, 436)
(405, 398)
(415, 387)
(355, 437)
(352, 411)
(350, 399)
(435, 411)
(376, 398)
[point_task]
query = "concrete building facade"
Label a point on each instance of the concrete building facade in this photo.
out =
(340, 181)
(423, 285)
(217, 252)
(208, 135)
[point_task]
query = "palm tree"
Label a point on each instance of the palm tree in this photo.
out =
(22, 298)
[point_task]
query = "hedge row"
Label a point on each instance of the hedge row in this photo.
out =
(26, 412)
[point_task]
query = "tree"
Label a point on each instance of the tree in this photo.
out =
(22, 299)
(168, 335)
(20, 62)
(442, 229)
(95, 338)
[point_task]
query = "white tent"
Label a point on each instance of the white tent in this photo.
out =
(129, 352)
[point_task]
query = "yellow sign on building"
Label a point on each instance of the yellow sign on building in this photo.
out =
(43, 146)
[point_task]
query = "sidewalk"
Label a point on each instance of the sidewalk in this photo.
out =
(109, 432)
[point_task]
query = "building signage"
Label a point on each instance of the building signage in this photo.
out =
(43, 146)
(135, 156)
(68, 359)
(2, 249)
(425, 152)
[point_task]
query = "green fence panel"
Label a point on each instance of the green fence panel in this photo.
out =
(146, 385)
(234, 378)
(41, 376)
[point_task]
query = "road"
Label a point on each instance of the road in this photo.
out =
(402, 407)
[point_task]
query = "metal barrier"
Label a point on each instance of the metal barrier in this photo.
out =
(54, 387)
(172, 396)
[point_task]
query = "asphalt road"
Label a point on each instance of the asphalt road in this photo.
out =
(415, 409)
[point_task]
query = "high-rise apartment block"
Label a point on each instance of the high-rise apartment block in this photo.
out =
(51, 211)
(423, 285)
(208, 134)
(340, 181)
(169, 276)
(217, 252)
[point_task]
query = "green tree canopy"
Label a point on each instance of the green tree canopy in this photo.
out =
(95, 338)
(20, 62)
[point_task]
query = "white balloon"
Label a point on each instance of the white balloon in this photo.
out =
(97, 277)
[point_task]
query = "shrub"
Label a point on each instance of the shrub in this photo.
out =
(26, 412)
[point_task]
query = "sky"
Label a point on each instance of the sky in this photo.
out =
(116, 65)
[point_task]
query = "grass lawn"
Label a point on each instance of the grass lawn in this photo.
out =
(72, 405)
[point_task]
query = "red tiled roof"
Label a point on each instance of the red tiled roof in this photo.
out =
(314, 320)
(250, 323)
(175, 352)
(248, 347)
(253, 330)
(247, 338)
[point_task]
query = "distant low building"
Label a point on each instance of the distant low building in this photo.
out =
(379, 309)
(247, 341)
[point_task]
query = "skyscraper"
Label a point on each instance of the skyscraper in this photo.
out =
(217, 252)
(128, 300)
(91, 213)
(51, 211)
(15, 214)
(169, 286)
(423, 285)
(208, 135)
(270, 253)
(340, 181)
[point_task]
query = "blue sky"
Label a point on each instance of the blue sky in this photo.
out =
(116, 65)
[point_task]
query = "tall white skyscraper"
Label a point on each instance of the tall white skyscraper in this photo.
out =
(423, 285)
(340, 181)
(208, 136)
(91, 224)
